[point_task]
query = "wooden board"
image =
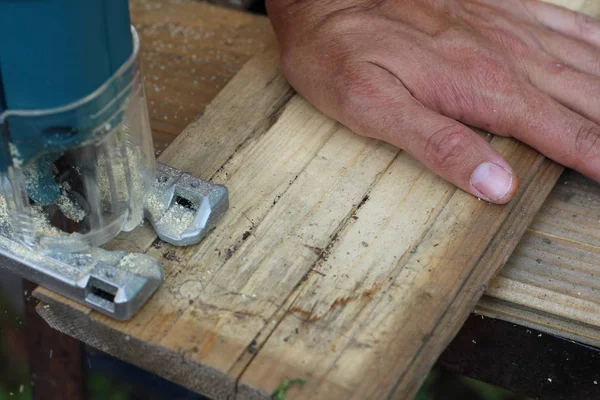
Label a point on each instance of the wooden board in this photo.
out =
(189, 51)
(229, 310)
(552, 280)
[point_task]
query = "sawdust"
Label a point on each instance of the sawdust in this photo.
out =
(140, 264)
(16, 156)
(112, 175)
(176, 220)
(20, 251)
(70, 209)
(42, 226)
(3, 209)
(38, 219)
(129, 263)
(155, 205)
(8, 244)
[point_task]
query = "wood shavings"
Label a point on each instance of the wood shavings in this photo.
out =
(70, 209)
(42, 226)
(176, 220)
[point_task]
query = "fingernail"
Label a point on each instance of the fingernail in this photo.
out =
(492, 181)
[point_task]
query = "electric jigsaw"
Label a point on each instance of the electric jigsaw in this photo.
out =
(77, 163)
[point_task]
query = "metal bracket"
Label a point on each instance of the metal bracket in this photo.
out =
(182, 210)
(114, 283)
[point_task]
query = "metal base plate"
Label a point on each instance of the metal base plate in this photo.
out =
(114, 283)
(181, 208)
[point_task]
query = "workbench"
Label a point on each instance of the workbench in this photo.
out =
(190, 51)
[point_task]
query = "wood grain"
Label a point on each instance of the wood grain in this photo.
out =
(189, 51)
(341, 260)
(393, 294)
(552, 280)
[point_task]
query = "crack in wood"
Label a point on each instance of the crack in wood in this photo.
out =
(295, 292)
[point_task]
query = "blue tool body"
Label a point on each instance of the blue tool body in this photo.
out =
(77, 161)
(53, 54)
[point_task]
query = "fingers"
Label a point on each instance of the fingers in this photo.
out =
(576, 53)
(460, 156)
(557, 132)
(565, 21)
(574, 89)
(378, 105)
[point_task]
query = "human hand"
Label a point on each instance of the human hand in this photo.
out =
(413, 72)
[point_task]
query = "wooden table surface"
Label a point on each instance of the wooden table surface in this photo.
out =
(190, 50)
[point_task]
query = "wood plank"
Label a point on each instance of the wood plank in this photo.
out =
(552, 280)
(361, 337)
(225, 315)
(229, 304)
(189, 51)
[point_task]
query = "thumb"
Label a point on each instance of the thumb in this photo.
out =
(445, 146)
